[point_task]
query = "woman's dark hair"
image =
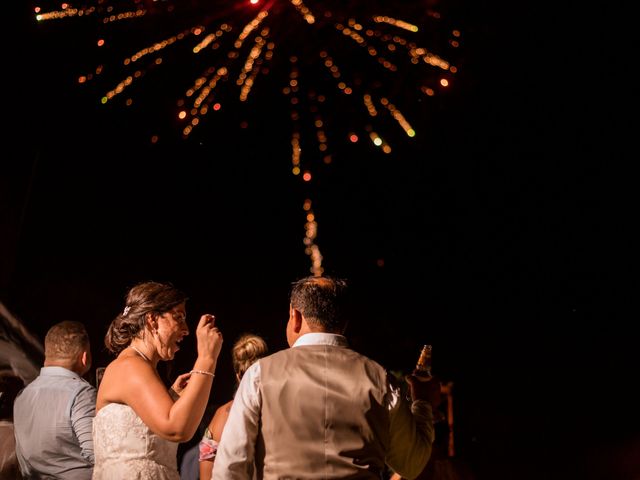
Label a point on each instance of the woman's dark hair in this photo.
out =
(147, 297)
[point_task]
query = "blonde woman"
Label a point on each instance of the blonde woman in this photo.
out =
(247, 349)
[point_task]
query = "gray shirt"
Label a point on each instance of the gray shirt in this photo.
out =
(53, 421)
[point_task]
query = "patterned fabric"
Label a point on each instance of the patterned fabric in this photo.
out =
(125, 448)
(208, 447)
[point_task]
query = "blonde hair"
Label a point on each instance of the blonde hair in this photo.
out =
(247, 349)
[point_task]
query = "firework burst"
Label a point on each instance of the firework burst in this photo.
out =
(332, 73)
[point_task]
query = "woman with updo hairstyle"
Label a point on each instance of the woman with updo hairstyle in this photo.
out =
(246, 350)
(139, 423)
(141, 299)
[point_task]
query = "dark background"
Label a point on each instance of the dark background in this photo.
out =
(501, 234)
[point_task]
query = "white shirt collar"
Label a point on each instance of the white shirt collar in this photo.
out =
(320, 338)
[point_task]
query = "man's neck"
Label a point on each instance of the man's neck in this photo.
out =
(62, 363)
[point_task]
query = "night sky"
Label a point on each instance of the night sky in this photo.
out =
(500, 234)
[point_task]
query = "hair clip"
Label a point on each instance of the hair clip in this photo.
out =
(126, 311)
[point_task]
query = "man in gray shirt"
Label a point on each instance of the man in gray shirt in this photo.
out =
(53, 415)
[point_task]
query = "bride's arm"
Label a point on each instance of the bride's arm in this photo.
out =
(135, 382)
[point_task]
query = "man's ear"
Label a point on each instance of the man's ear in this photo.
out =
(85, 359)
(83, 362)
(296, 316)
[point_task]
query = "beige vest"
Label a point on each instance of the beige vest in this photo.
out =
(323, 415)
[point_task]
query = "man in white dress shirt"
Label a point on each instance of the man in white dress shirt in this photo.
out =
(321, 410)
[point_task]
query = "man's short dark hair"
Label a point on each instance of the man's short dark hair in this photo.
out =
(66, 340)
(322, 301)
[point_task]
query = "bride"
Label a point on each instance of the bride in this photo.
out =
(139, 423)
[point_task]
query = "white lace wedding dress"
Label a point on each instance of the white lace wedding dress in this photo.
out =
(125, 448)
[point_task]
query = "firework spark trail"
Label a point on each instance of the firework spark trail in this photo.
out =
(319, 65)
(202, 102)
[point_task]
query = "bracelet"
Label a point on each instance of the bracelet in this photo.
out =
(203, 372)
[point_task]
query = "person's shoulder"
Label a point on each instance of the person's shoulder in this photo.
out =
(274, 355)
(127, 358)
(368, 362)
(225, 408)
(125, 365)
(86, 386)
(361, 356)
(219, 420)
(128, 370)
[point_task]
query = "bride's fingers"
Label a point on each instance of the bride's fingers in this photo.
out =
(207, 320)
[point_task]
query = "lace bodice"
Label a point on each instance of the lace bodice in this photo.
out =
(126, 448)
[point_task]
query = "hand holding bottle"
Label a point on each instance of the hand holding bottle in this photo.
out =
(424, 389)
(423, 385)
